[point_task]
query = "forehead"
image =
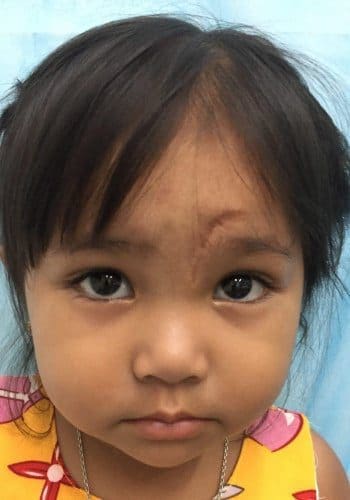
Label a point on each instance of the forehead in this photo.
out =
(201, 196)
(203, 183)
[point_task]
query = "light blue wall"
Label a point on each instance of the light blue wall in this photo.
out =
(29, 29)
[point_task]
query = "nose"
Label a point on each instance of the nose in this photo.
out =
(173, 353)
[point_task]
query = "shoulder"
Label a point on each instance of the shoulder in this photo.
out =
(331, 477)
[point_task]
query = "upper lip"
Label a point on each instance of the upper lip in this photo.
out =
(168, 417)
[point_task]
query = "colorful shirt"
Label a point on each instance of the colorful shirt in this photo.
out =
(276, 461)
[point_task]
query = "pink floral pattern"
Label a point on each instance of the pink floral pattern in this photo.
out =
(17, 394)
(53, 473)
(305, 495)
(279, 429)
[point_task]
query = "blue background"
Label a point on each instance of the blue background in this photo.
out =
(30, 29)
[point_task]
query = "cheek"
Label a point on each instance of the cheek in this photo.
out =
(254, 374)
(79, 371)
(259, 371)
(63, 370)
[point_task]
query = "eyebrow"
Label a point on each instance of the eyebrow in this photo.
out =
(248, 245)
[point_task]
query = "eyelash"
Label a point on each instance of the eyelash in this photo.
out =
(269, 284)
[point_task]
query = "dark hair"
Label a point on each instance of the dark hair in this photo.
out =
(131, 83)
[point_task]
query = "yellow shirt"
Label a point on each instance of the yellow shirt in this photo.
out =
(276, 462)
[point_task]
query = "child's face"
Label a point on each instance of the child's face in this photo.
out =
(173, 337)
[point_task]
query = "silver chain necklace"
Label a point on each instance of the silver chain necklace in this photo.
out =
(86, 482)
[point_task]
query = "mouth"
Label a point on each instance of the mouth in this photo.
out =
(166, 426)
(169, 418)
(158, 430)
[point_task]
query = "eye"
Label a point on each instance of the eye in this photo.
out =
(246, 287)
(102, 284)
(108, 285)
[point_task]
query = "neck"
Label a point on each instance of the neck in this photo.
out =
(111, 472)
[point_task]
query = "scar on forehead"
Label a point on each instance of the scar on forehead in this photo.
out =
(212, 224)
(204, 236)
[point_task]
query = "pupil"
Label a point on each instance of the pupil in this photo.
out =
(105, 283)
(238, 286)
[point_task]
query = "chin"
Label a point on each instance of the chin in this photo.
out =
(164, 456)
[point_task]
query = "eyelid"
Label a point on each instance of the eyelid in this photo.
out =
(265, 278)
(84, 274)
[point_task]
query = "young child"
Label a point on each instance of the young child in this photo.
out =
(172, 198)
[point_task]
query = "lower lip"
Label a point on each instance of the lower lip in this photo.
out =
(159, 430)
